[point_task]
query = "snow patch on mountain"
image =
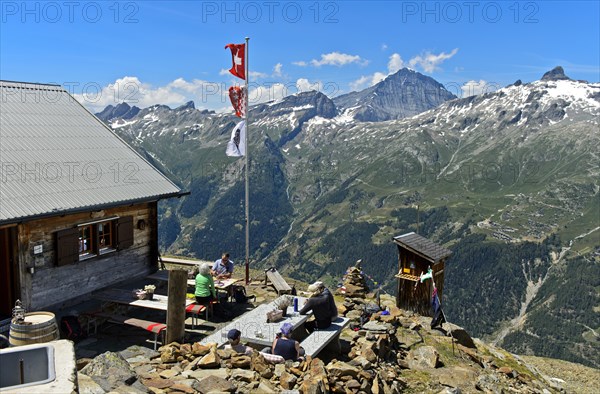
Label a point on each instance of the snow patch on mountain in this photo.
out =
(576, 92)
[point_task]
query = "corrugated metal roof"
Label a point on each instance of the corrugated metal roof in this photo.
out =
(423, 245)
(56, 156)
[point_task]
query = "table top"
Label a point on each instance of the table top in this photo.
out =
(221, 284)
(184, 261)
(255, 328)
(126, 297)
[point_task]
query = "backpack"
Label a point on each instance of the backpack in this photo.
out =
(367, 312)
(239, 294)
(71, 328)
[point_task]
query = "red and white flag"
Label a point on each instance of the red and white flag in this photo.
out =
(237, 95)
(238, 52)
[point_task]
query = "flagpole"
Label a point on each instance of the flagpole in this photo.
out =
(247, 172)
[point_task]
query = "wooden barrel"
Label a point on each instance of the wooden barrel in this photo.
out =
(38, 327)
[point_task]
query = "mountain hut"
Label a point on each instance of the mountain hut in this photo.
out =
(416, 254)
(78, 206)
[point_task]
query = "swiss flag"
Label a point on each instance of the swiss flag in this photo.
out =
(237, 57)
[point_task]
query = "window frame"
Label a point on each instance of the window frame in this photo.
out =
(96, 250)
(111, 246)
(89, 250)
(67, 240)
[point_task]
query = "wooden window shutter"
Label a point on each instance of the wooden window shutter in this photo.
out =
(124, 232)
(67, 246)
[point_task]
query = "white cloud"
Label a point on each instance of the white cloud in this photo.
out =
(190, 87)
(473, 88)
(304, 85)
(429, 62)
(367, 80)
(132, 91)
(384, 47)
(334, 59)
(338, 59)
(395, 63)
(135, 92)
(277, 70)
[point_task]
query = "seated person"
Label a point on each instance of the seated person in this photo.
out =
(333, 311)
(234, 342)
(322, 305)
(284, 346)
(223, 268)
(205, 286)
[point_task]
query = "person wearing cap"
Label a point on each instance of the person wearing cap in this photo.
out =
(322, 304)
(285, 346)
(234, 342)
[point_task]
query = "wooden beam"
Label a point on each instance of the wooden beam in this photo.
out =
(176, 305)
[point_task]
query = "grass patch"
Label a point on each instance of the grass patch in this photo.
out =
(418, 381)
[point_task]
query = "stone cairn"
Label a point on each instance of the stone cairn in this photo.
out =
(354, 288)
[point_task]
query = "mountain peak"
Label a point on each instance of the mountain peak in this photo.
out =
(312, 102)
(401, 94)
(121, 110)
(556, 74)
(188, 105)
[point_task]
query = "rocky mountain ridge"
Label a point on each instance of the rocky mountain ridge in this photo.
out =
(507, 180)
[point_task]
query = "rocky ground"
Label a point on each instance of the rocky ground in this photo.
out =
(392, 352)
(575, 378)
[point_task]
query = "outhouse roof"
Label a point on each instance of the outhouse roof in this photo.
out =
(423, 246)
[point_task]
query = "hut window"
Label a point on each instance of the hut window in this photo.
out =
(92, 239)
(105, 236)
(86, 244)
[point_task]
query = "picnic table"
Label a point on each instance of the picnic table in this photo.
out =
(255, 328)
(186, 262)
(125, 297)
(220, 284)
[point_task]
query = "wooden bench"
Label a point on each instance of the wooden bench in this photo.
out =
(277, 281)
(318, 339)
(195, 310)
(153, 327)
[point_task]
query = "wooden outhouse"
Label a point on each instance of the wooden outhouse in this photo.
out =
(78, 205)
(416, 254)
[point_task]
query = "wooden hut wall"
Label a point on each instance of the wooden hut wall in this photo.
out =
(399, 288)
(415, 299)
(52, 285)
(439, 278)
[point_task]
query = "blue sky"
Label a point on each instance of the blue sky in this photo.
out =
(148, 52)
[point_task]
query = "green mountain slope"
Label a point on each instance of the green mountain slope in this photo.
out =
(507, 180)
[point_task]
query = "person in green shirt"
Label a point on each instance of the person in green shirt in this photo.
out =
(205, 286)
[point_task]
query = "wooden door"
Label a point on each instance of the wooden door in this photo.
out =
(8, 271)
